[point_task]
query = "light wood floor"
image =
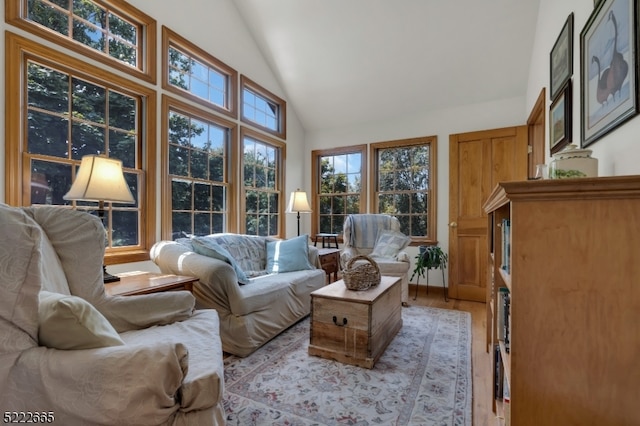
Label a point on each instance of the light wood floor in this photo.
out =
(481, 370)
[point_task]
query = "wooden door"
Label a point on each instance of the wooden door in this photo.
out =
(477, 162)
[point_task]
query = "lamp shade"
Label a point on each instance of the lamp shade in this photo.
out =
(100, 179)
(298, 202)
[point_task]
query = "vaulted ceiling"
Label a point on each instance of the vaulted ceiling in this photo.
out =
(347, 62)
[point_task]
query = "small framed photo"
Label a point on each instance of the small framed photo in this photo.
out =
(561, 59)
(609, 68)
(560, 122)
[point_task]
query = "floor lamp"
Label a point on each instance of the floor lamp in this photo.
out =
(298, 203)
(101, 179)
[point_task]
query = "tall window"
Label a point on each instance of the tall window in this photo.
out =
(263, 169)
(193, 73)
(263, 109)
(339, 189)
(197, 159)
(405, 184)
(110, 31)
(74, 109)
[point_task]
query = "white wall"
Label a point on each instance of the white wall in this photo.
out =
(618, 152)
(442, 123)
(218, 29)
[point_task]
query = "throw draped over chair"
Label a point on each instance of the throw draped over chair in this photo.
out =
(378, 236)
(68, 349)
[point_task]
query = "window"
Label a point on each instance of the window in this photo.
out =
(196, 155)
(109, 31)
(263, 109)
(191, 72)
(405, 185)
(74, 109)
(339, 188)
(263, 176)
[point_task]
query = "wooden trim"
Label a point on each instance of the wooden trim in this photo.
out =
(432, 141)
(15, 11)
(315, 179)
(247, 82)
(536, 131)
(169, 38)
(18, 50)
(172, 104)
(280, 176)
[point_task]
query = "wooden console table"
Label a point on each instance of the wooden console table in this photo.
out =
(136, 283)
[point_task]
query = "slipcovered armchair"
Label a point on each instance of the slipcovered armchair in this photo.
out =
(82, 357)
(378, 236)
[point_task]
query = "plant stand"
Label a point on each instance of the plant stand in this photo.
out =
(444, 287)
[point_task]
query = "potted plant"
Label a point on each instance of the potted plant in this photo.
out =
(430, 257)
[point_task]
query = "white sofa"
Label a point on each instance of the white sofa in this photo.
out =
(265, 304)
(82, 357)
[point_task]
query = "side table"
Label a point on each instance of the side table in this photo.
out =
(330, 262)
(327, 240)
(136, 283)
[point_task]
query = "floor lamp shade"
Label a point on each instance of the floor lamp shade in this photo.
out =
(298, 203)
(100, 179)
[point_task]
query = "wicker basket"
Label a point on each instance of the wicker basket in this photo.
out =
(362, 276)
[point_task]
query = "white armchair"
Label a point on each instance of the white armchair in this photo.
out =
(68, 349)
(378, 236)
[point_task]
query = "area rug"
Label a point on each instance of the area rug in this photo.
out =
(423, 378)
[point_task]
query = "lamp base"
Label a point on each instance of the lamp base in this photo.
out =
(108, 278)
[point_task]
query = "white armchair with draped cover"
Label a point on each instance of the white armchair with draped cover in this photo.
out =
(378, 236)
(82, 357)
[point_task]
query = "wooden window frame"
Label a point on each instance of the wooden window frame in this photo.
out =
(173, 104)
(280, 177)
(18, 51)
(315, 177)
(432, 141)
(246, 82)
(171, 38)
(15, 14)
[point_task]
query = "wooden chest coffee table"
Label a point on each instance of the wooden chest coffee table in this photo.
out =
(355, 327)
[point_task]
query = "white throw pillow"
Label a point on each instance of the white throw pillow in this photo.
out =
(70, 322)
(389, 244)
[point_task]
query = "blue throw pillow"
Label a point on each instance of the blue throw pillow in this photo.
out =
(288, 255)
(207, 247)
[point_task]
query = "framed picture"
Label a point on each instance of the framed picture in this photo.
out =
(561, 59)
(560, 122)
(609, 68)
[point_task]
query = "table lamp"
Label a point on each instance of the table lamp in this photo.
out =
(298, 203)
(100, 179)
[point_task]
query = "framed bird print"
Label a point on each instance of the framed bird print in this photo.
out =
(609, 68)
(561, 59)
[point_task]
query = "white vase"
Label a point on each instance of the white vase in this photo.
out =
(572, 162)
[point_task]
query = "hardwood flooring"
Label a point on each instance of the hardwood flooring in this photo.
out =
(481, 369)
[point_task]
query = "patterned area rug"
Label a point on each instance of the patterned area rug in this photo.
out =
(423, 378)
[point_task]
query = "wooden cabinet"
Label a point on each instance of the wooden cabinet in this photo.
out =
(330, 262)
(574, 285)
